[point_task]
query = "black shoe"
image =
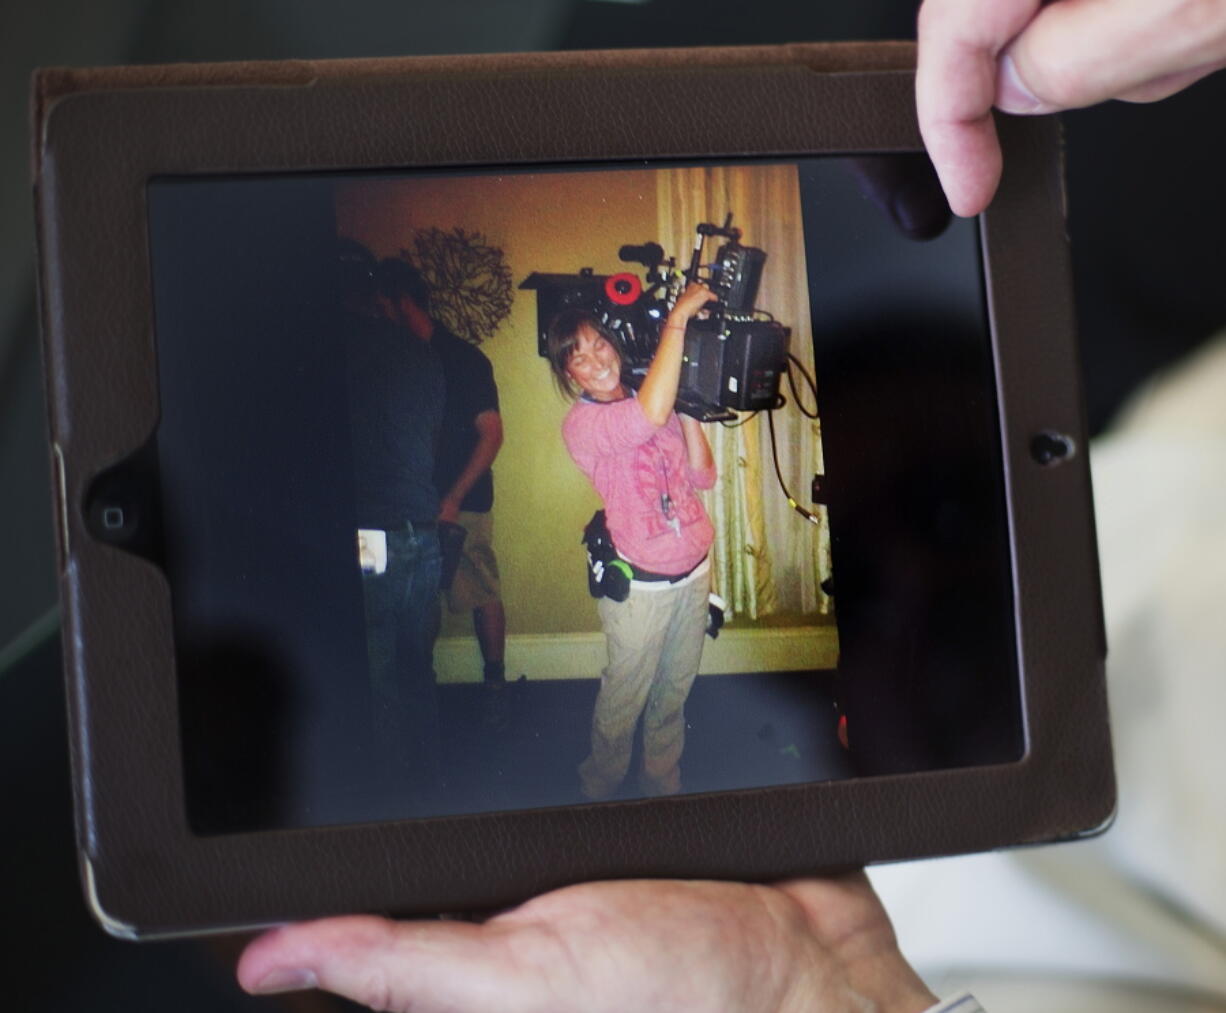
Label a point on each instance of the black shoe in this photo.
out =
(494, 705)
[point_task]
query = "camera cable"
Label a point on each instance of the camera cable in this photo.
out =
(793, 361)
(806, 514)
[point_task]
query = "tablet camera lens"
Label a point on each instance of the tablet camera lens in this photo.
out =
(1051, 448)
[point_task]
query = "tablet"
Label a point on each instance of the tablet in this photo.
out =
(284, 304)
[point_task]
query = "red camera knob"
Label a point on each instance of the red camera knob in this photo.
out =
(623, 289)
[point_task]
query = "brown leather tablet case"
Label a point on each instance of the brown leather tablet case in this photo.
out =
(99, 135)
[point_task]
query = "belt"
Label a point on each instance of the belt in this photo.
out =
(410, 526)
(655, 578)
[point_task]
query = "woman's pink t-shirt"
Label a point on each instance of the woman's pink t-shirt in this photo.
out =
(633, 466)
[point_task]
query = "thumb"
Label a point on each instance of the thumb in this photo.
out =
(1079, 52)
(385, 965)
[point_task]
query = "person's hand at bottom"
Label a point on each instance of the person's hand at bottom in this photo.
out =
(808, 945)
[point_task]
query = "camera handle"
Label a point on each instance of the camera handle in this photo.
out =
(696, 259)
(701, 232)
(726, 230)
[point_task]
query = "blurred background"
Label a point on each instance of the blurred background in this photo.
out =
(1136, 920)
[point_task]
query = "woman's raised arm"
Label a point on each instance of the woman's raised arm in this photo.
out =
(659, 390)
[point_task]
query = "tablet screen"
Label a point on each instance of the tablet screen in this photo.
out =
(816, 586)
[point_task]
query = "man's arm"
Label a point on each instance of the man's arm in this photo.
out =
(489, 440)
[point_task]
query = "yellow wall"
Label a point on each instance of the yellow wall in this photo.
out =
(556, 222)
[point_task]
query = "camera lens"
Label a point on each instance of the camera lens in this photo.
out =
(1051, 448)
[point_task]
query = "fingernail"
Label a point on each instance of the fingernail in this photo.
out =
(1012, 95)
(286, 979)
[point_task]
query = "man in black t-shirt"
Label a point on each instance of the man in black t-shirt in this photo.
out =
(470, 438)
(396, 392)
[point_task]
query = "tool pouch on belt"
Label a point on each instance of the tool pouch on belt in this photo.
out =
(608, 575)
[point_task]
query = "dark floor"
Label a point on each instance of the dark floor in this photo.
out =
(518, 747)
(742, 731)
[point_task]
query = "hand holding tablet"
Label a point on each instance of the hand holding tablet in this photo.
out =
(1027, 58)
(806, 946)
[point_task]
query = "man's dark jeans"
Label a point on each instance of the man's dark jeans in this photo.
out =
(401, 624)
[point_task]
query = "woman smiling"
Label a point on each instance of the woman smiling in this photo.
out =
(646, 462)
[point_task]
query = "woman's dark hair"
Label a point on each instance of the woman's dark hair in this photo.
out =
(562, 335)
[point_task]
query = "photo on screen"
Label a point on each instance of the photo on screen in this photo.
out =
(335, 351)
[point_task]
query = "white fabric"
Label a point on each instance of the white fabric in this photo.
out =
(1146, 901)
(1160, 482)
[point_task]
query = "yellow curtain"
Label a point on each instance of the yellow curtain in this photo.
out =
(766, 557)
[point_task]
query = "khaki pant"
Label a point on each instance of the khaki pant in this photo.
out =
(655, 645)
(476, 580)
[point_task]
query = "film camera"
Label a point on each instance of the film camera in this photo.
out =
(734, 358)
